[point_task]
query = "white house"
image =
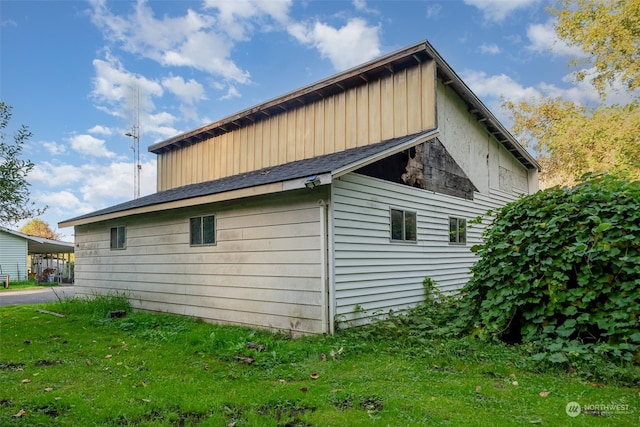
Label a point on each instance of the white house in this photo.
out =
(325, 205)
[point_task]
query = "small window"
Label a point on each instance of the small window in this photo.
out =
(118, 237)
(457, 230)
(203, 230)
(403, 225)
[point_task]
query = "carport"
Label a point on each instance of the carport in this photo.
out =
(48, 260)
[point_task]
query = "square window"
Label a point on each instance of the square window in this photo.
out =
(403, 225)
(118, 237)
(202, 230)
(457, 230)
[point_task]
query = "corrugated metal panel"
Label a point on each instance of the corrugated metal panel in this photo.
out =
(376, 274)
(265, 269)
(13, 256)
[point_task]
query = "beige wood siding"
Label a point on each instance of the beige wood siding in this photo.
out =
(265, 269)
(394, 106)
(377, 275)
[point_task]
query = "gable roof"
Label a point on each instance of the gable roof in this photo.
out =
(40, 245)
(283, 177)
(396, 61)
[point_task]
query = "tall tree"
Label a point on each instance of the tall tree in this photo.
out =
(609, 32)
(37, 227)
(15, 203)
(571, 139)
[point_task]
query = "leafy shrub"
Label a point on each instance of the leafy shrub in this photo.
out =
(561, 269)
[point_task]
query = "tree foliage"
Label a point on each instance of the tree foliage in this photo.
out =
(608, 32)
(15, 203)
(37, 227)
(570, 139)
(560, 269)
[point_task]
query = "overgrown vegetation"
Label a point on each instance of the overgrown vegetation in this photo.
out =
(89, 368)
(560, 272)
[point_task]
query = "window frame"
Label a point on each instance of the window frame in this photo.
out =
(403, 231)
(455, 234)
(202, 236)
(120, 238)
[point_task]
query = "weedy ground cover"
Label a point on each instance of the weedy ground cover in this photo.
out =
(91, 369)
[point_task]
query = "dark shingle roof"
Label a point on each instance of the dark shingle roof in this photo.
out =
(285, 172)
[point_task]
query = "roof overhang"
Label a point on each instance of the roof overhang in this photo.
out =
(40, 245)
(396, 61)
(309, 173)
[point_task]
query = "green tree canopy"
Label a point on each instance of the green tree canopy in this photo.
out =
(15, 203)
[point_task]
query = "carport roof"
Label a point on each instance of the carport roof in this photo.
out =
(40, 245)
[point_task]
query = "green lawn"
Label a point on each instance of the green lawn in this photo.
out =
(88, 369)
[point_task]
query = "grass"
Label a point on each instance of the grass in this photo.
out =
(88, 369)
(21, 285)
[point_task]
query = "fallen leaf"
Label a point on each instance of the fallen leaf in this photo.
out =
(36, 374)
(249, 360)
(512, 376)
(108, 356)
(58, 398)
(282, 380)
(433, 398)
(143, 383)
(48, 389)
(544, 393)
(119, 363)
(256, 346)
(233, 424)
(323, 357)
(304, 389)
(26, 380)
(20, 413)
(515, 383)
(315, 376)
(146, 400)
(478, 388)
(88, 362)
(206, 367)
(335, 390)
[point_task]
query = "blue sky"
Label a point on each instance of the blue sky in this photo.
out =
(69, 69)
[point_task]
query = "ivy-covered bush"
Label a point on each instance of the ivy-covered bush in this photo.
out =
(560, 269)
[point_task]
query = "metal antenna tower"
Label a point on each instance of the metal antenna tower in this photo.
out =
(135, 134)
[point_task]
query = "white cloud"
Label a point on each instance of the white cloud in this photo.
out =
(54, 148)
(90, 145)
(193, 40)
(490, 48)
(188, 92)
(354, 43)
(239, 18)
(544, 39)
(89, 187)
(100, 130)
(498, 10)
(231, 93)
(433, 10)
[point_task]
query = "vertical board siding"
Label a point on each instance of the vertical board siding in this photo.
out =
(379, 275)
(264, 271)
(13, 256)
(393, 106)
